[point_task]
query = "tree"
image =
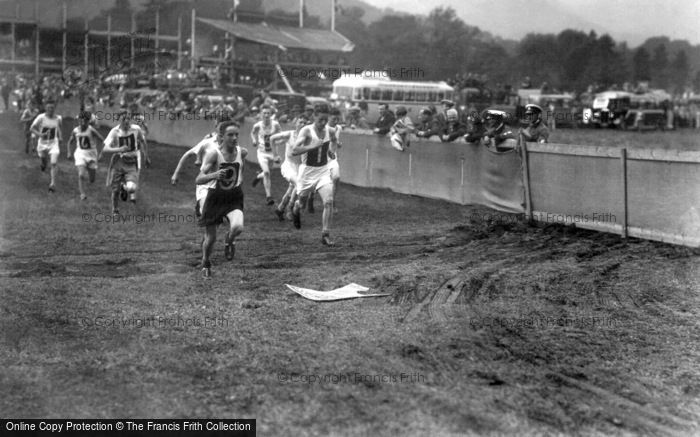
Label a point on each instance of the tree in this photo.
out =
(641, 65)
(660, 66)
(680, 70)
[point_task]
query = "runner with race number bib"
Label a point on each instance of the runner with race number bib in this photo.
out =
(222, 174)
(123, 175)
(47, 128)
(260, 135)
(85, 137)
(313, 144)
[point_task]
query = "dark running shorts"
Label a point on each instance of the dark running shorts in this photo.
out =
(218, 203)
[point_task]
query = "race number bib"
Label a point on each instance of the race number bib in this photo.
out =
(84, 142)
(318, 157)
(268, 146)
(231, 177)
(48, 133)
(129, 142)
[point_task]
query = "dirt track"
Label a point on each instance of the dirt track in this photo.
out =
(492, 326)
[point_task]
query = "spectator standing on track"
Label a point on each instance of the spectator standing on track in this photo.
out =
(222, 175)
(28, 115)
(260, 135)
(402, 129)
(536, 130)
(47, 128)
(5, 91)
(385, 121)
(454, 128)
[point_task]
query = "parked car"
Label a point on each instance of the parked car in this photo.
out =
(645, 119)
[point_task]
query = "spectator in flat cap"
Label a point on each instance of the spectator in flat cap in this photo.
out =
(536, 130)
(428, 124)
(498, 136)
(454, 128)
(402, 129)
(475, 128)
(355, 119)
(385, 121)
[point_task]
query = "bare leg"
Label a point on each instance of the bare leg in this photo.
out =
(208, 245)
(326, 193)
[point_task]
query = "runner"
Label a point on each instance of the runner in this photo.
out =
(260, 134)
(333, 122)
(290, 166)
(47, 128)
(86, 157)
(313, 144)
(27, 117)
(123, 175)
(222, 174)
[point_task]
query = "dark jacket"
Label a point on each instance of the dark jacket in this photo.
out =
(453, 130)
(385, 122)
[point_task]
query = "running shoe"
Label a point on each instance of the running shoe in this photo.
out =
(52, 188)
(326, 240)
(270, 201)
(123, 194)
(296, 218)
(229, 251)
(280, 214)
(83, 197)
(206, 272)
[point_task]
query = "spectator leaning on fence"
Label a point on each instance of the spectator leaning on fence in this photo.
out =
(454, 128)
(355, 118)
(385, 121)
(428, 125)
(536, 131)
(402, 129)
(475, 128)
(498, 136)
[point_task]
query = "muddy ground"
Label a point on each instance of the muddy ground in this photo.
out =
(493, 326)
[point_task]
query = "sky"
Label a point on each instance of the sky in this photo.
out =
(625, 20)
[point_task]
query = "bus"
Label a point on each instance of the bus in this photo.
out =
(374, 89)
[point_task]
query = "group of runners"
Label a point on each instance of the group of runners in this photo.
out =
(310, 165)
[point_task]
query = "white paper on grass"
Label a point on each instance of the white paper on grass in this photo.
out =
(347, 292)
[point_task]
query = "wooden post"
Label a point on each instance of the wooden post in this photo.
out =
(332, 15)
(155, 57)
(109, 40)
(301, 13)
(526, 177)
(13, 29)
(65, 36)
(85, 48)
(192, 54)
(131, 42)
(623, 161)
(36, 41)
(179, 42)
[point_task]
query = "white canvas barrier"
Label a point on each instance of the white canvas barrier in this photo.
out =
(652, 194)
